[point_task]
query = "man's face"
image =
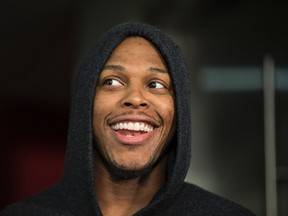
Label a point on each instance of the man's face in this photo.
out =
(133, 115)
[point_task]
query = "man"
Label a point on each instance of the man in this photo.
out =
(129, 135)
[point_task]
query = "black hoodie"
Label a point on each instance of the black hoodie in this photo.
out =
(74, 194)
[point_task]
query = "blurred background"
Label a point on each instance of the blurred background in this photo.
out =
(227, 45)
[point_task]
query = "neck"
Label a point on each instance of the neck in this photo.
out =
(128, 196)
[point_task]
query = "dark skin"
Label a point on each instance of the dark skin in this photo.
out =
(134, 90)
(129, 196)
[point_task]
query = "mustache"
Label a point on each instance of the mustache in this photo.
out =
(132, 112)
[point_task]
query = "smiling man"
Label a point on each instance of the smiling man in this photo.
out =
(137, 121)
(133, 128)
(129, 137)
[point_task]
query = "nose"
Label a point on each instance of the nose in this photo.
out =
(135, 98)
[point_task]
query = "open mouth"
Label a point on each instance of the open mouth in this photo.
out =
(131, 129)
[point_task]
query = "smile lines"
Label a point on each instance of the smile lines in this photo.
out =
(133, 126)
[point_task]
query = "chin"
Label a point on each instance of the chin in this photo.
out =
(120, 172)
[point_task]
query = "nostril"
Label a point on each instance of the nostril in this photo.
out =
(143, 104)
(136, 105)
(127, 104)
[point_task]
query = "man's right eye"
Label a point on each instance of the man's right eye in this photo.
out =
(112, 82)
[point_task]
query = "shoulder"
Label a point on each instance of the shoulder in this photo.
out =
(42, 204)
(25, 208)
(193, 200)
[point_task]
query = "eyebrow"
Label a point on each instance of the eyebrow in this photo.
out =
(155, 69)
(113, 67)
(121, 68)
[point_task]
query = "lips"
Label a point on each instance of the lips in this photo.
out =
(133, 130)
(133, 126)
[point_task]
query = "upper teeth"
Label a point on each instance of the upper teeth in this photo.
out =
(136, 126)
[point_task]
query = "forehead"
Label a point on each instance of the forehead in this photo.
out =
(136, 48)
(135, 41)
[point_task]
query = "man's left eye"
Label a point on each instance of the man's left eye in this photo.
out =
(156, 85)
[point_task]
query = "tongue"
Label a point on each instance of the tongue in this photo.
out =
(129, 132)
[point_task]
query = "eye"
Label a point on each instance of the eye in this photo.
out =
(112, 82)
(156, 85)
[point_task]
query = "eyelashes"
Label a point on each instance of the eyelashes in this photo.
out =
(112, 82)
(156, 85)
(116, 83)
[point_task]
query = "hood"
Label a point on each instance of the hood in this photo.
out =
(79, 165)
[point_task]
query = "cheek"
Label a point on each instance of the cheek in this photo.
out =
(100, 110)
(101, 104)
(168, 111)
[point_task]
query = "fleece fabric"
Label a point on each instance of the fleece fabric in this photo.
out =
(74, 194)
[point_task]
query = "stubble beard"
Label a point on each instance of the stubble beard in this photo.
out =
(119, 172)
